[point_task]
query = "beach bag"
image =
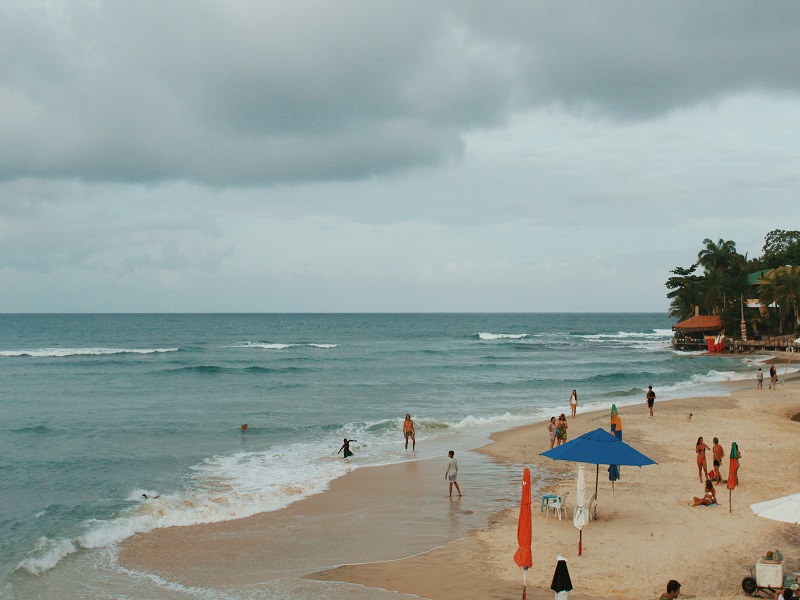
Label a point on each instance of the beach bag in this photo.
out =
(712, 475)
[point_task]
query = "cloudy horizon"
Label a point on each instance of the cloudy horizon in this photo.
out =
(384, 157)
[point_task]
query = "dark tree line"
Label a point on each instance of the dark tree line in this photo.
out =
(717, 283)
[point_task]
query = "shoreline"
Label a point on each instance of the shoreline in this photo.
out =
(679, 541)
(479, 561)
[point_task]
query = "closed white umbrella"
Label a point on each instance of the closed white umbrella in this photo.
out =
(581, 515)
(786, 509)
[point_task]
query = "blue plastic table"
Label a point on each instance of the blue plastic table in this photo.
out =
(546, 501)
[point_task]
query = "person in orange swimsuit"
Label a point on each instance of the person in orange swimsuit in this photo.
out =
(408, 432)
(702, 467)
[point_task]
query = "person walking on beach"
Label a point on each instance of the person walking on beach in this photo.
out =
(700, 450)
(760, 379)
(452, 473)
(552, 428)
(718, 453)
(573, 402)
(773, 377)
(346, 448)
(561, 431)
(651, 398)
(673, 590)
(408, 432)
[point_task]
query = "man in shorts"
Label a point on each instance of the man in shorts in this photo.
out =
(719, 454)
(651, 398)
(408, 432)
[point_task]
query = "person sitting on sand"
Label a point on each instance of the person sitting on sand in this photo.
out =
(787, 594)
(562, 429)
(700, 450)
(709, 498)
(552, 428)
(346, 448)
(408, 432)
(673, 590)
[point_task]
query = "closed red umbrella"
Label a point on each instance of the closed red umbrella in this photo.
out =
(733, 470)
(523, 555)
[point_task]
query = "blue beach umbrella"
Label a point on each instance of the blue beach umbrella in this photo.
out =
(599, 447)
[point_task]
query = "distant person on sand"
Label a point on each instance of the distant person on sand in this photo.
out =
(710, 497)
(561, 432)
(408, 432)
(616, 423)
(718, 453)
(702, 466)
(573, 402)
(552, 428)
(673, 590)
(760, 378)
(651, 398)
(773, 377)
(346, 448)
(452, 473)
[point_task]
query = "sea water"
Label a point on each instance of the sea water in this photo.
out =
(97, 410)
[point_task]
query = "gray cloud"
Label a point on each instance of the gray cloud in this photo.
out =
(252, 93)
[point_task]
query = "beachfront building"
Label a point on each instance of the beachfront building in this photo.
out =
(700, 332)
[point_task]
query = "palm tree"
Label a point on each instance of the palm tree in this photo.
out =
(685, 292)
(782, 286)
(725, 276)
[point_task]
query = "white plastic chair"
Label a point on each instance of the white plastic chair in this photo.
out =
(559, 506)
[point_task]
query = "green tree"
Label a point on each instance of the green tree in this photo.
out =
(685, 290)
(782, 287)
(781, 248)
(725, 277)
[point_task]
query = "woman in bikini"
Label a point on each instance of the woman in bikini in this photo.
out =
(408, 432)
(710, 497)
(551, 427)
(700, 449)
(562, 429)
(573, 402)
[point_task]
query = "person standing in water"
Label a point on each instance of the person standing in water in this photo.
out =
(408, 432)
(346, 448)
(573, 402)
(451, 473)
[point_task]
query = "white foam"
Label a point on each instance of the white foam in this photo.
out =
(502, 336)
(49, 553)
(279, 346)
(61, 352)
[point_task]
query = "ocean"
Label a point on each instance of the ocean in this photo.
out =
(99, 409)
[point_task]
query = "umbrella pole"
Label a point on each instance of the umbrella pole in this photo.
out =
(730, 501)
(524, 584)
(580, 544)
(596, 481)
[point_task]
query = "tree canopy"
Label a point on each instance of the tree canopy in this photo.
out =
(722, 286)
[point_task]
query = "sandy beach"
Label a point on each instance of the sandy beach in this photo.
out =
(646, 532)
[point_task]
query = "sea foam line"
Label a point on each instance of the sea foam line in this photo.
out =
(501, 336)
(62, 352)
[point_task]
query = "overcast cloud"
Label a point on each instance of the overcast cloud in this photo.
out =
(376, 156)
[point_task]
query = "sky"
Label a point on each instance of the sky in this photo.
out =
(375, 156)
